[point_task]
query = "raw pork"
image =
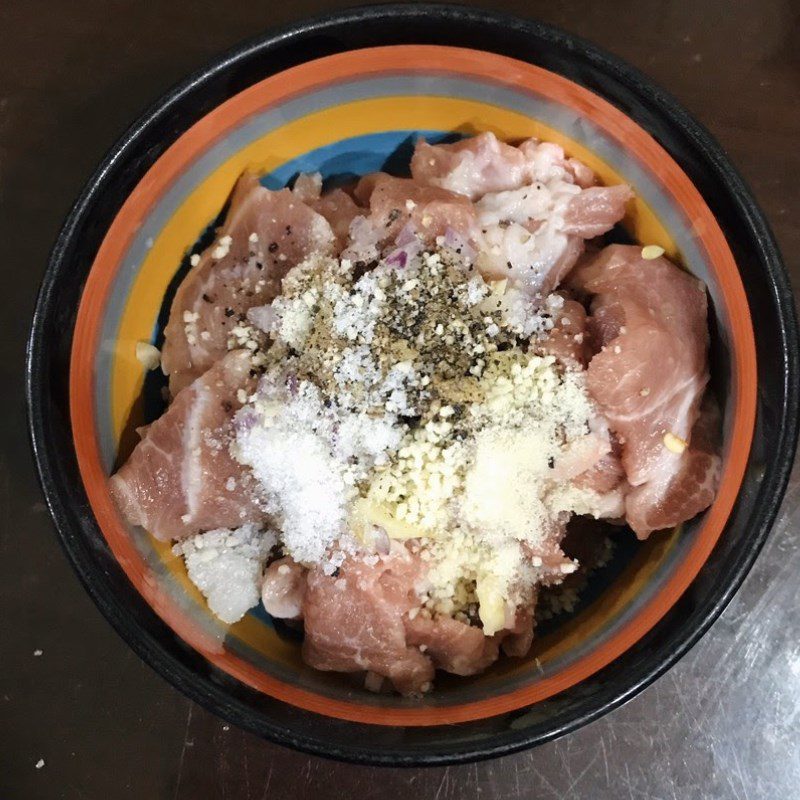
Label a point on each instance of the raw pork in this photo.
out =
(649, 378)
(264, 235)
(534, 235)
(535, 206)
(481, 164)
(402, 204)
(470, 167)
(354, 621)
(180, 478)
(368, 617)
(452, 645)
(567, 340)
(336, 206)
(688, 487)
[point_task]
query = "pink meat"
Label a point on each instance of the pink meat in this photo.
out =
(452, 645)
(688, 488)
(482, 164)
(307, 187)
(517, 639)
(605, 475)
(284, 589)
(581, 174)
(354, 621)
(394, 202)
(337, 206)
(222, 287)
(596, 210)
(402, 204)
(365, 186)
(604, 325)
(535, 261)
(649, 378)
(340, 210)
(568, 340)
(180, 478)
(368, 617)
(547, 160)
(470, 167)
(546, 554)
(534, 235)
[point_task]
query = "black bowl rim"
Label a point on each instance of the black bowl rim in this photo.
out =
(205, 692)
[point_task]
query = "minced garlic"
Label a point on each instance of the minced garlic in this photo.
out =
(223, 247)
(148, 355)
(674, 443)
(652, 252)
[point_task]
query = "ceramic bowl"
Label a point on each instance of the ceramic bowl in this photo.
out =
(346, 95)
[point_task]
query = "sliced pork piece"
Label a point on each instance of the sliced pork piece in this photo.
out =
(547, 160)
(592, 465)
(603, 488)
(604, 475)
(649, 378)
(482, 164)
(265, 234)
(337, 206)
(470, 167)
(368, 618)
(454, 646)
(535, 206)
(529, 205)
(307, 187)
(180, 478)
(604, 324)
(354, 621)
(582, 454)
(394, 202)
(596, 210)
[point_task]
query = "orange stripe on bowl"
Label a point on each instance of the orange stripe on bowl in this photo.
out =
(362, 64)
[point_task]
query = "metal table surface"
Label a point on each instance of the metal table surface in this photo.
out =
(82, 717)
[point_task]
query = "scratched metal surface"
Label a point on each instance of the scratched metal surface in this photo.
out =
(725, 723)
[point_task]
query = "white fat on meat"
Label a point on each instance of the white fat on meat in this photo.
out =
(482, 164)
(535, 234)
(470, 167)
(535, 207)
(226, 566)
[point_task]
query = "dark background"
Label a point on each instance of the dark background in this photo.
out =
(724, 723)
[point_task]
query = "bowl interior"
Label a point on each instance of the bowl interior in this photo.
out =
(345, 116)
